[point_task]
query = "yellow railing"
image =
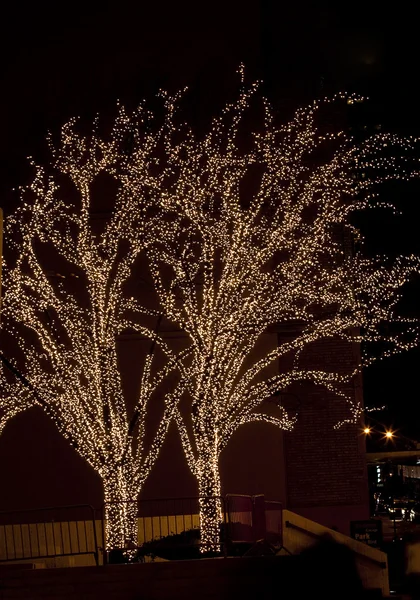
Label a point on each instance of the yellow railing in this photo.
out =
(44, 540)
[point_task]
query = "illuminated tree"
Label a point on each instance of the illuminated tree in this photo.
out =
(243, 231)
(253, 238)
(64, 308)
(14, 401)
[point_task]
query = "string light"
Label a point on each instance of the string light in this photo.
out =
(67, 326)
(239, 237)
(244, 260)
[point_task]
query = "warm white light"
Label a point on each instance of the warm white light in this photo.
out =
(257, 236)
(242, 232)
(67, 323)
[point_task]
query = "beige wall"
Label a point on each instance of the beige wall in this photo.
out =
(300, 533)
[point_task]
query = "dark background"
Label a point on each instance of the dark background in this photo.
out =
(72, 58)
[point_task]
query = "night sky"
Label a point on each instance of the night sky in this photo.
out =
(71, 58)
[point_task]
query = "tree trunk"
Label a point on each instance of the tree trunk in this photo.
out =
(210, 503)
(120, 509)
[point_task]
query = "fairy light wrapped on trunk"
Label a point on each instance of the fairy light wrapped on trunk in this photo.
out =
(67, 323)
(226, 267)
(244, 263)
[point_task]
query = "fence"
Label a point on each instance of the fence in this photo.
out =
(239, 510)
(274, 522)
(48, 532)
(252, 519)
(161, 518)
(166, 527)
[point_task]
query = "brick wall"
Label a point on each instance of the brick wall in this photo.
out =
(326, 477)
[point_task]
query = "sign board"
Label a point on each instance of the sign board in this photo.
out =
(369, 532)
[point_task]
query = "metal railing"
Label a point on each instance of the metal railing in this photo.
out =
(274, 522)
(166, 525)
(252, 519)
(239, 523)
(169, 528)
(48, 533)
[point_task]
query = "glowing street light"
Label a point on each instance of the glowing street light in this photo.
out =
(389, 434)
(367, 430)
